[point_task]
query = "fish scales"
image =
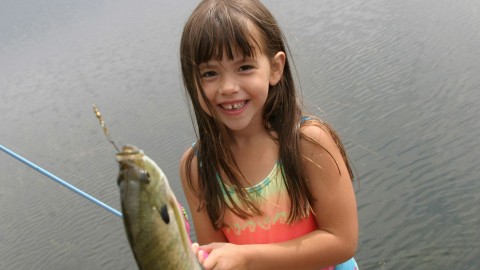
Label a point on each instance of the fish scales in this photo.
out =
(153, 220)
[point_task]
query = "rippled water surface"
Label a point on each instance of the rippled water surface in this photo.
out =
(399, 80)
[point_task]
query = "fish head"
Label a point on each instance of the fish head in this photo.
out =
(142, 183)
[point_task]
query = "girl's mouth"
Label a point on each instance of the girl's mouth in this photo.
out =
(233, 106)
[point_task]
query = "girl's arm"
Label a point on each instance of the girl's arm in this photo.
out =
(335, 210)
(203, 227)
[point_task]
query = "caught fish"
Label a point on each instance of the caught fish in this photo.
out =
(154, 222)
(153, 219)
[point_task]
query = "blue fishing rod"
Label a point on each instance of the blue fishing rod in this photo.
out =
(60, 181)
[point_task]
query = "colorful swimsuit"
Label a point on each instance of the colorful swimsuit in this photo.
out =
(271, 227)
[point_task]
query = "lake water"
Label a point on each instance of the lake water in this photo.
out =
(398, 79)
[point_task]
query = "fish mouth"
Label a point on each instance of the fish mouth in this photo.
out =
(129, 152)
(233, 106)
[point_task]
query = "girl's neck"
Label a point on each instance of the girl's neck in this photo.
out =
(255, 154)
(247, 139)
(251, 135)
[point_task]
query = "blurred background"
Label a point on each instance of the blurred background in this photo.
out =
(399, 80)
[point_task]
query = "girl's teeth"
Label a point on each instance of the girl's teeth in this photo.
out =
(234, 106)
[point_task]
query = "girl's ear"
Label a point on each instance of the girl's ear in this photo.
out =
(277, 64)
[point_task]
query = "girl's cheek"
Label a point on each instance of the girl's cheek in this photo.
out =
(209, 90)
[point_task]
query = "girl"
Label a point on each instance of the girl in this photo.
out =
(267, 187)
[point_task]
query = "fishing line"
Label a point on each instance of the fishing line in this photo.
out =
(60, 181)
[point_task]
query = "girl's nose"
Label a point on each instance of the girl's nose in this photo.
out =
(228, 86)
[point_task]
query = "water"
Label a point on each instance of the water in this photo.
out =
(398, 80)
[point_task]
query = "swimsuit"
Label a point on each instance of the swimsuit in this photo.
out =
(272, 198)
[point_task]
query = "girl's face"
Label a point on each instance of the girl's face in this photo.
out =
(237, 89)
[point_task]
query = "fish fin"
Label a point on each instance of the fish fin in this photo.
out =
(180, 218)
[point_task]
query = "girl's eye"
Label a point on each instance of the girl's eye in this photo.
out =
(209, 74)
(246, 68)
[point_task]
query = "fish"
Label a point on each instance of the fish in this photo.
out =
(155, 223)
(153, 219)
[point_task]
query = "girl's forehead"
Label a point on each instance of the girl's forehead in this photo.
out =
(234, 50)
(248, 45)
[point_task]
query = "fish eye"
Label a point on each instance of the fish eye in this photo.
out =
(145, 177)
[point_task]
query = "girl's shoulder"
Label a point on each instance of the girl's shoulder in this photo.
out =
(315, 136)
(314, 130)
(318, 138)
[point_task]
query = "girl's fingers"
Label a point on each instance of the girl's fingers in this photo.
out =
(195, 248)
(205, 254)
(199, 252)
(208, 248)
(201, 256)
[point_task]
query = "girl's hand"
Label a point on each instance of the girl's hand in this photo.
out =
(222, 256)
(199, 253)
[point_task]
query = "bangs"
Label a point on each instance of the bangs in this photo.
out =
(224, 33)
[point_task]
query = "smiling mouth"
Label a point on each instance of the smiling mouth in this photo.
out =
(233, 106)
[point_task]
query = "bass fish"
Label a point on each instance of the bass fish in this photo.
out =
(154, 221)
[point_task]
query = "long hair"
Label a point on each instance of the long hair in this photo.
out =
(216, 29)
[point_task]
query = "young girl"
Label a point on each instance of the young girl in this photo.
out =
(268, 188)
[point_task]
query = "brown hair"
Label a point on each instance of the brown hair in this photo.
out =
(215, 28)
